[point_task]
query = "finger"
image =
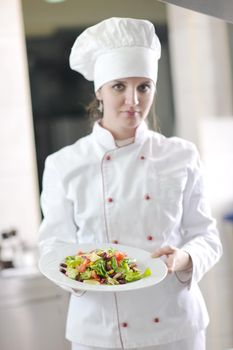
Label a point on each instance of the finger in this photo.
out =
(171, 263)
(163, 251)
(78, 292)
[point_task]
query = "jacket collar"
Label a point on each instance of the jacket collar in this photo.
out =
(105, 138)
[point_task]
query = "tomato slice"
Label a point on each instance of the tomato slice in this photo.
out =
(86, 262)
(119, 256)
(82, 268)
(94, 275)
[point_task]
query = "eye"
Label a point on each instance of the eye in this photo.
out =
(118, 86)
(144, 87)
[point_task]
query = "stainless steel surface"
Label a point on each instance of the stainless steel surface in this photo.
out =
(222, 9)
(32, 313)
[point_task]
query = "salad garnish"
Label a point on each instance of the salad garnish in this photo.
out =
(102, 266)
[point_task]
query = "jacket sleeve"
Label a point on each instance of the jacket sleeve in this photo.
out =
(200, 234)
(58, 225)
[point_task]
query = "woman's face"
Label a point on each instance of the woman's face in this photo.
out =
(126, 103)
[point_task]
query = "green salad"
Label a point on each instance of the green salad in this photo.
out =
(102, 266)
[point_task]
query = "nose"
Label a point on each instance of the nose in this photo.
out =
(131, 97)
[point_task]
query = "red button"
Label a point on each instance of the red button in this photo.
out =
(110, 200)
(107, 157)
(156, 320)
(115, 241)
(149, 237)
(147, 197)
(142, 157)
(124, 324)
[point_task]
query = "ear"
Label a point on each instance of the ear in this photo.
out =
(98, 94)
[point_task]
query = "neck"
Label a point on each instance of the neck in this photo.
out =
(120, 134)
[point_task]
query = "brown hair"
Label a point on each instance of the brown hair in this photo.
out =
(93, 112)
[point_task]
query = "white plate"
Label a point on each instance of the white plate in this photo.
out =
(49, 266)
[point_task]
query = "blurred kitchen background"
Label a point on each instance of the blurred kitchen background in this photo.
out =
(42, 108)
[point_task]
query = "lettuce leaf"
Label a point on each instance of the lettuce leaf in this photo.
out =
(72, 261)
(147, 272)
(85, 275)
(99, 267)
(71, 272)
(114, 263)
(132, 276)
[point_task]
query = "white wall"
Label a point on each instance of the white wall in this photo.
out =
(201, 70)
(216, 144)
(19, 205)
(202, 88)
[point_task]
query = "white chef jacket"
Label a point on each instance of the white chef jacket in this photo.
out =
(147, 194)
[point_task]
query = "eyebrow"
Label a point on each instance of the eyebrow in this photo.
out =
(147, 82)
(124, 81)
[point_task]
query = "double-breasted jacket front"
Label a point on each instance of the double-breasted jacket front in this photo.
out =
(146, 194)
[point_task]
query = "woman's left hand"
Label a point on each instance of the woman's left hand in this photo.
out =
(177, 259)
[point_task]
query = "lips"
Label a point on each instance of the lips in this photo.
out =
(131, 112)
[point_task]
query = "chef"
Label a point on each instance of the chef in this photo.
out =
(126, 184)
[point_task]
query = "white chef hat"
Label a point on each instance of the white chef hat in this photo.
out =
(117, 48)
